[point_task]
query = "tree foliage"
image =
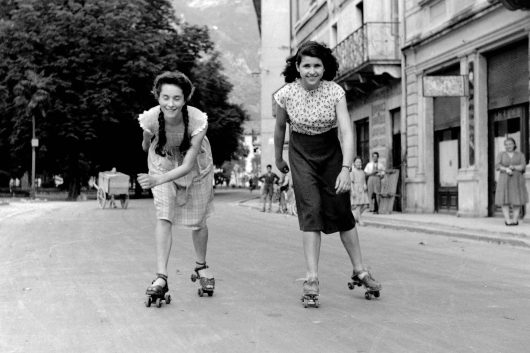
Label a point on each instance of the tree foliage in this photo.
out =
(84, 70)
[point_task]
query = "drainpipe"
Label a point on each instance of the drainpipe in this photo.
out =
(402, 36)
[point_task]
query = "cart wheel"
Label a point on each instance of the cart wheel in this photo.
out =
(124, 201)
(102, 198)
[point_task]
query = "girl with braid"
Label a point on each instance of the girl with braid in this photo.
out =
(180, 176)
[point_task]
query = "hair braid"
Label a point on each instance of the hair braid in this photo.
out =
(161, 135)
(185, 145)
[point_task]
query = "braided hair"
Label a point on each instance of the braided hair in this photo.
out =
(316, 50)
(180, 80)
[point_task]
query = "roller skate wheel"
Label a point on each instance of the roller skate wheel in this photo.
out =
(167, 298)
(351, 286)
(158, 302)
(148, 301)
(368, 296)
(377, 294)
(210, 294)
(193, 277)
(200, 292)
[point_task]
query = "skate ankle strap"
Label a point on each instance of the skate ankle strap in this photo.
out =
(200, 266)
(161, 275)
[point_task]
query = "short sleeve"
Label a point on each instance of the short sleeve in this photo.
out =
(148, 120)
(281, 96)
(336, 92)
(198, 121)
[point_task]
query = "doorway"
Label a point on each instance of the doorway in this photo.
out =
(506, 122)
(363, 140)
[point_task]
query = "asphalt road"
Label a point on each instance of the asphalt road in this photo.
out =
(74, 276)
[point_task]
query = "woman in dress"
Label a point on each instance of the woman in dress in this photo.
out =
(315, 107)
(511, 189)
(359, 196)
(180, 174)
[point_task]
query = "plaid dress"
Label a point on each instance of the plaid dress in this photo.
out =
(186, 201)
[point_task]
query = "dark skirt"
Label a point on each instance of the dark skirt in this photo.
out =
(316, 161)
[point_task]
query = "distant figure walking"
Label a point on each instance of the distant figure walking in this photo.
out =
(316, 110)
(511, 188)
(359, 195)
(267, 191)
(375, 170)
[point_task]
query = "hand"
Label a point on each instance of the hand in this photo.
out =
(282, 166)
(343, 183)
(147, 181)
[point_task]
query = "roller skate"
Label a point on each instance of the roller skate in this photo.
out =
(207, 285)
(310, 293)
(156, 293)
(365, 279)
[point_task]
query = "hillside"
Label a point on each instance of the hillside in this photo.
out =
(233, 28)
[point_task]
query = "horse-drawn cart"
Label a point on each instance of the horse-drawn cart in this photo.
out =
(111, 186)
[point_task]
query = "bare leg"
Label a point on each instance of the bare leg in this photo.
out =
(516, 213)
(200, 243)
(506, 213)
(311, 241)
(350, 240)
(164, 241)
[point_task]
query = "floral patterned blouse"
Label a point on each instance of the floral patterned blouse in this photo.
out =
(311, 112)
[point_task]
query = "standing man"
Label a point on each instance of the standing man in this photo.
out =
(268, 179)
(374, 170)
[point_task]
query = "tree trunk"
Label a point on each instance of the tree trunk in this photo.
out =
(73, 189)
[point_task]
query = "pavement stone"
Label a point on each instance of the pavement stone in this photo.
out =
(489, 229)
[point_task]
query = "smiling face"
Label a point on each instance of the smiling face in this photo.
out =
(171, 100)
(311, 71)
(358, 163)
(509, 145)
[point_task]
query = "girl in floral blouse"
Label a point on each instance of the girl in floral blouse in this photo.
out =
(315, 107)
(180, 174)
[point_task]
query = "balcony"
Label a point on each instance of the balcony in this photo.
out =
(370, 51)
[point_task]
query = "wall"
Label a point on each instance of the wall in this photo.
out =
(275, 39)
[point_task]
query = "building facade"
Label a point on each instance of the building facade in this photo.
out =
(364, 36)
(274, 20)
(453, 137)
(433, 86)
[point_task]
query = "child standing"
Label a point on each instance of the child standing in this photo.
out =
(180, 174)
(359, 196)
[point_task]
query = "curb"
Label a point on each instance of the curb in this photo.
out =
(512, 239)
(454, 233)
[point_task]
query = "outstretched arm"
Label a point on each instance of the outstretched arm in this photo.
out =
(148, 181)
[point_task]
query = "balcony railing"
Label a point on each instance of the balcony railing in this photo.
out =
(374, 42)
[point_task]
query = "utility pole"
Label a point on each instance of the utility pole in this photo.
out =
(34, 145)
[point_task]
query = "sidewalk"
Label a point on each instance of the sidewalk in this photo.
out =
(491, 229)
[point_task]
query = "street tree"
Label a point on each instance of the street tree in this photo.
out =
(96, 60)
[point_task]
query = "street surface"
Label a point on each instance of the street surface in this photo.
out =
(74, 276)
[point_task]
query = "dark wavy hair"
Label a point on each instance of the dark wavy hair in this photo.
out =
(316, 50)
(180, 80)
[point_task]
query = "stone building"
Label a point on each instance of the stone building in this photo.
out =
(466, 88)
(434, 86)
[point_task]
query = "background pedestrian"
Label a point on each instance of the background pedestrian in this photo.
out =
(359, 195)
(511, 189)
(374, 170)
(267, 190)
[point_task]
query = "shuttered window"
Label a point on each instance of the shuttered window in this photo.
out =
(508, 76)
